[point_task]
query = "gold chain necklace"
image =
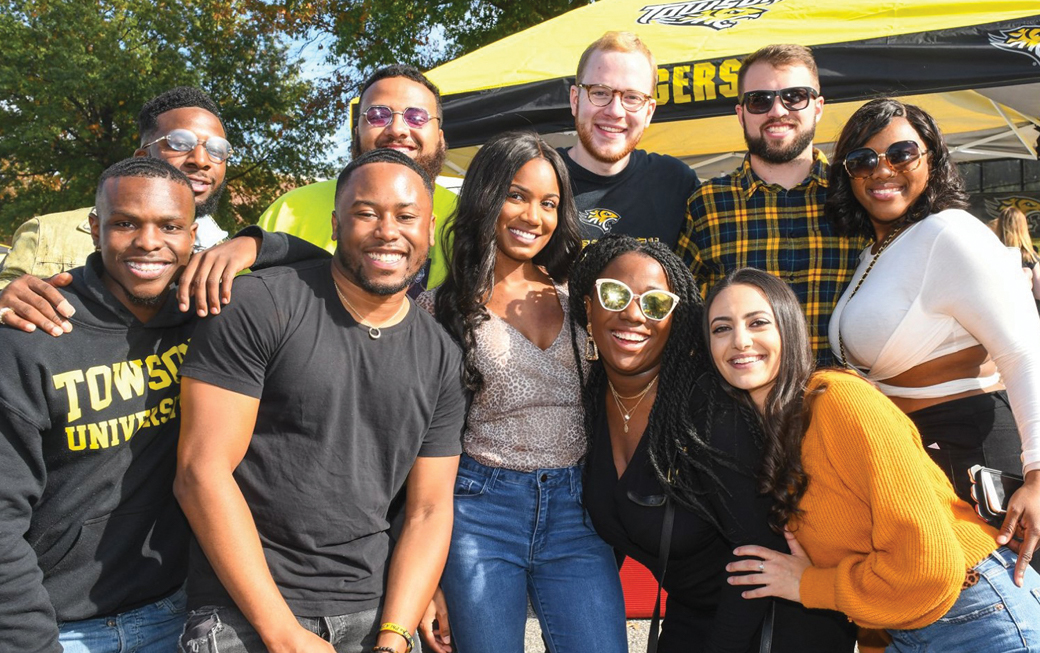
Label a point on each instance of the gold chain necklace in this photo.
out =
(884, 244)
(627, 414)
(373, 331)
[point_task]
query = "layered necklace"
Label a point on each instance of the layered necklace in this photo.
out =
(884, 244)
(374, 331)
(639, 396)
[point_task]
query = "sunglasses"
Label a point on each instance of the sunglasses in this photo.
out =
(602, 95)
(902, 156)
(616, 296)
(185, 140)
(414, 117)
(795, 98)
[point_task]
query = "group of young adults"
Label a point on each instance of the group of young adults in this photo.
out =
(355, 466)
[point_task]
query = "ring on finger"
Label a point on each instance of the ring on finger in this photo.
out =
(3, 314)
(762, 566)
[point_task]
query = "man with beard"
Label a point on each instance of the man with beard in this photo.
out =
(399, 108)
(307, 404)
(618, 188)
(181, 126)
(768, 213)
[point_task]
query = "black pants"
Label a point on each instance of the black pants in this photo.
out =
(976, 430)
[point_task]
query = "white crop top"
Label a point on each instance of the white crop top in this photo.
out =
(943, 285)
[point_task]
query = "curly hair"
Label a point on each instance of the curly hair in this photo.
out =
(176, 98)
(784, 419)
(678, 451)
(945, 189)
(460, 302)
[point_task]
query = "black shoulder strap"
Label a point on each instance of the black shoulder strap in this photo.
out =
(662, 560)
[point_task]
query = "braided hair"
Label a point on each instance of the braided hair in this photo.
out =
(460, 301)
(678, 451)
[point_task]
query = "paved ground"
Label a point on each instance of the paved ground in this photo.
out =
(638, 631)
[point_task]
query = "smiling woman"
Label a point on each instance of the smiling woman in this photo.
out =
(520, 530)
(936, 314)
(664, 439)
(875, 529)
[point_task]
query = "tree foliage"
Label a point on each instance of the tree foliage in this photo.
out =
(74, 74)
(372, 33)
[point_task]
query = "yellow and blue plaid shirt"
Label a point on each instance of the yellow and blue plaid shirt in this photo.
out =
(740, 221)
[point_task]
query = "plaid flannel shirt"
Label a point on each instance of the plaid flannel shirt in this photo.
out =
(740, 221)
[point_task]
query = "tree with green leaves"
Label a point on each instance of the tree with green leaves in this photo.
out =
(367, 34)
(74, 73)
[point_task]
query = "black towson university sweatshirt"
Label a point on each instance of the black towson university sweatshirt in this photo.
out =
(89, 422)
(88, 442)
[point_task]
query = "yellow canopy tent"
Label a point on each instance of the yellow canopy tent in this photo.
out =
(974, 65)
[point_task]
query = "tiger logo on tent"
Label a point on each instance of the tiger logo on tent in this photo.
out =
(1025, 39)
(716, 14)
(602, 219)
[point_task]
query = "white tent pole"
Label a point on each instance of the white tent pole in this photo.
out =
(1000, 110)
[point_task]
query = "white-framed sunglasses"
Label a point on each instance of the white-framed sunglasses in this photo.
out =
(615, 296)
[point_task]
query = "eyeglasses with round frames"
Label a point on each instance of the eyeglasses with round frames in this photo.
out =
(414, 117)
(794, 98)
(601, 95)
(901, 156)
(185, 140)
(615, 296)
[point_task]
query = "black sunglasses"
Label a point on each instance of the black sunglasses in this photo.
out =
(901, 156)
(795, 98)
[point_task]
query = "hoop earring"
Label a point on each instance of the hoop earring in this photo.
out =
(591, 352)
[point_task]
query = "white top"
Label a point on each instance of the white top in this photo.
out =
(208, 233)
(943, 285)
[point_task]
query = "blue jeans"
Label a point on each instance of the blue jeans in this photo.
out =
(224, 629)
(526, 534)
(152, 628)
(994, 615)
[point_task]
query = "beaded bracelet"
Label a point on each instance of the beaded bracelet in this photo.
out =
(400, 630)
(383, 649)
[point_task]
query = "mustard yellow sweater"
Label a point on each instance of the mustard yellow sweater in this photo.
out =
(889, 540)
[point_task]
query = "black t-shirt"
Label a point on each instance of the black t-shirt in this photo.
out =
(645, 200)
(722, 619)
(342, 418)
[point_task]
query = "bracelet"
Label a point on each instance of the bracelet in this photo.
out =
(383, 649)
(400, 630)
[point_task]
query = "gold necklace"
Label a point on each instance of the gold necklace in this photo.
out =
(373, 331)
(884, 244)
(626, 413)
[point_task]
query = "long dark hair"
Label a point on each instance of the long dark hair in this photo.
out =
(783, 421)
(674, 443)
(469, 242)
(945, 189)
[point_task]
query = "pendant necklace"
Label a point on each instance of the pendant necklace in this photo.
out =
(373, 331)
(627, 413)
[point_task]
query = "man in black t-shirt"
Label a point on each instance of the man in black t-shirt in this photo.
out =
(307, 404)
(617, 187)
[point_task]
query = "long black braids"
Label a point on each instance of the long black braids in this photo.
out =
(679, 453)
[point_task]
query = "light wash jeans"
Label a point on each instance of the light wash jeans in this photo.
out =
(992, 616)
(525, 534)
(152, 628)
